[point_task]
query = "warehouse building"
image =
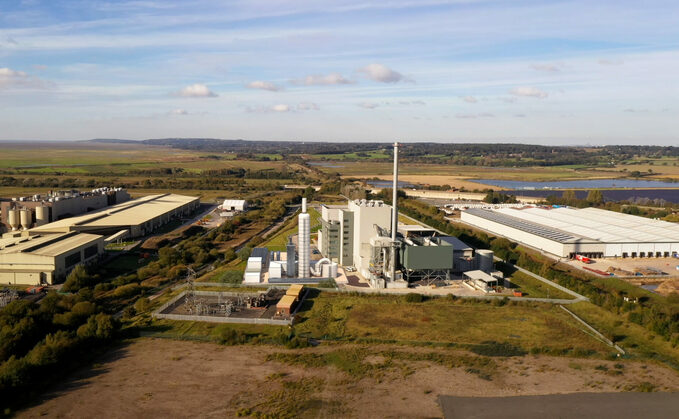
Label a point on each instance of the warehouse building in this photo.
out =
(592, 232)
(46, 259)
(24, 212)
(138, 217)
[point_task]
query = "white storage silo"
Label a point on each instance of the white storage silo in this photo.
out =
(26, 217)
(303, 242)
(42, 215)
(485, 260)
(333, 270)
(13, 219)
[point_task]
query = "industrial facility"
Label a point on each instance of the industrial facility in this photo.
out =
(45, 254)
(22, 213)
(136, 218)
(567, 232)
(293, 265)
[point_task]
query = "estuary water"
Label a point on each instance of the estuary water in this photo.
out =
(578, 184)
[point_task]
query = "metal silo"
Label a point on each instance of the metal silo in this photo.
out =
(485, 260)
(42, 215)
(26, 218)
(13, 219)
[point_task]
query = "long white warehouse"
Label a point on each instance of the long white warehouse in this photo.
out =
(592, 232)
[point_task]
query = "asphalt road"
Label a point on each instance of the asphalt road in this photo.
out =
(564, 406)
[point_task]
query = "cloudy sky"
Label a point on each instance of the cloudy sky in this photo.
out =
(549, 72)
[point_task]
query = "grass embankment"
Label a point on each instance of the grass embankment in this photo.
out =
(531, 287)
(635, 339)
(280, 239)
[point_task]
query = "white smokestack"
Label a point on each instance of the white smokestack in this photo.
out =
(304, 242)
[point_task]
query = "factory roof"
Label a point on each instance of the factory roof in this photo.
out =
(47, 245)
(521, 223)
(286, 302)
(480, 275)
(133, 212)
(456, 243)
(234, 202)
(599, 225)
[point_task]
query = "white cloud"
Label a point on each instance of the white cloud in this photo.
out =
(469, 99)
(520, 115)
(382, 74)
(328, 79)
(197, 90)
(368, 105)
(281, 108)
(308, 106)
(179, 112)
(11, 79)
(527, 91)
(264, 85)
(549, 68)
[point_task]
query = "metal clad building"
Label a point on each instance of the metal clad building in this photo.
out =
(566, 231)
(45, 259)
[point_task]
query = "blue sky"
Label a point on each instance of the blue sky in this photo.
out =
(547, 72)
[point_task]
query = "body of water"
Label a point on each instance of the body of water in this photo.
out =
(324, 164)
(669, 195)
(578, 184)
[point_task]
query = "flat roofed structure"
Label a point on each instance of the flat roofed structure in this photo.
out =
(141, 216)
(564, 231)
(285, 305)
(48, 258)
(482, 280)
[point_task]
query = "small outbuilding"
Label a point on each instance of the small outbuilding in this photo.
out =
(286, 305)
(239, 205)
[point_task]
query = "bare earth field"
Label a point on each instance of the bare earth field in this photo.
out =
(167, 378)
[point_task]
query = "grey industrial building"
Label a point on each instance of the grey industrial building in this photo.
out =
(25, 212)
(357, 234)
(47, 253)
(592, 232)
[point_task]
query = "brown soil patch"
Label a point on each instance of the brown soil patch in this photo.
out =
(165, 378)
(456, 182)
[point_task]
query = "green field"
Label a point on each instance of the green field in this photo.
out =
(442, 321)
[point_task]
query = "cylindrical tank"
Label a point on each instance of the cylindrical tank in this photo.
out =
(303, 242)
(485, 260)
(333, 270)
(325, 271)
(13, 219)
(42, 215)
(26, 219)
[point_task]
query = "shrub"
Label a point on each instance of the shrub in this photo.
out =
(127, 290)
(414, 298)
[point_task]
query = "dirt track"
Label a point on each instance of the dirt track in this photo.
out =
(165, 378)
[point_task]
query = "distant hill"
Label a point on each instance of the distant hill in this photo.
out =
(110, 140)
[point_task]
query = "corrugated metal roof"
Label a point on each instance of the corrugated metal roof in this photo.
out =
(601, 225)
(128, 213)
(535, 228)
